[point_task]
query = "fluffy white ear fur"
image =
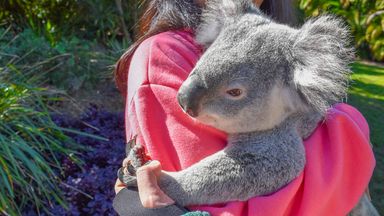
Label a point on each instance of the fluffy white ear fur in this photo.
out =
(208, 32)
(216, 15)
(322, 53)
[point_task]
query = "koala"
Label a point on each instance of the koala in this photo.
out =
(268, 86)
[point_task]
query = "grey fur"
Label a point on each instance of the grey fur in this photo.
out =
(252, 164)
(215, 18)
(328, 61)
(289, 77)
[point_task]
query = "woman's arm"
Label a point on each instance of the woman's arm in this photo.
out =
(158, 68)
(157, 71)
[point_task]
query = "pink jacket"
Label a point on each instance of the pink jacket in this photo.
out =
(340, 161)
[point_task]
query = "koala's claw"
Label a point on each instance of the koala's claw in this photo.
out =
(126, 178)
(136, 157)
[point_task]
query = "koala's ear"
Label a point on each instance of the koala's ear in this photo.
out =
(217, 14)
(322, 54)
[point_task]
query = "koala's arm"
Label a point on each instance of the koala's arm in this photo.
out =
(228, 176)
(211, 180)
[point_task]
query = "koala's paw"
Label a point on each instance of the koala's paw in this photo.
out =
(126, 177)
(136, 158)
(136, 154)
(127, 173)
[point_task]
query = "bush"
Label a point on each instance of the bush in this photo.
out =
(34, 150)
(51, 44)
(70, 64)
(365, 17)
(30, 147)
(89, 19)
(90, 190)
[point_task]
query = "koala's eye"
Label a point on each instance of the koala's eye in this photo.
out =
(235, 92)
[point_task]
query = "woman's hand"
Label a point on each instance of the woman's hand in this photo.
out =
(119, 186)
(151, 195)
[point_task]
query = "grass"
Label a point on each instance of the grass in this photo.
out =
(367, 94)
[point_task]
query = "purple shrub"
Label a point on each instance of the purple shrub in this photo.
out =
(89, 189)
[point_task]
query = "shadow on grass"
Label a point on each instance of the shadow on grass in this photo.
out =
(367, 95)
(360, 68)
(373, 111)
(368, 90)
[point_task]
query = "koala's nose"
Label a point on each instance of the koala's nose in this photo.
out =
(189, 97)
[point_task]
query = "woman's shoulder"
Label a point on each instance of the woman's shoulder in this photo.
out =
(169, 42)
(343, 113)
(339, 160)
(343, 122)
(165, 59)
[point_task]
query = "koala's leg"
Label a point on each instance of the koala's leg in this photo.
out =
(231, 175)
(364, 208)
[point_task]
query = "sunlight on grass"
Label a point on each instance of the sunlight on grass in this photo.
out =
(368, 81)
(367, 95)
(365, 92)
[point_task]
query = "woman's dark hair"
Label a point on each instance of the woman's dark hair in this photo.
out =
(164, 15)
(158, 16)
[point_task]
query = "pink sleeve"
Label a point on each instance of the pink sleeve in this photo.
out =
(340, 161)
(158, 68)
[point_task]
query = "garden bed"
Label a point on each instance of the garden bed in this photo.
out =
(89, 188)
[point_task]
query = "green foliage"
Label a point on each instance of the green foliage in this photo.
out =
(66, 45)
(43, 16)
(70, 64)
(29, 145)
(30, 142)
(365, 18)
(106, 19)
(90, 19)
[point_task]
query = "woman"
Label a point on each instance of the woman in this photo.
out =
(339, 159)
